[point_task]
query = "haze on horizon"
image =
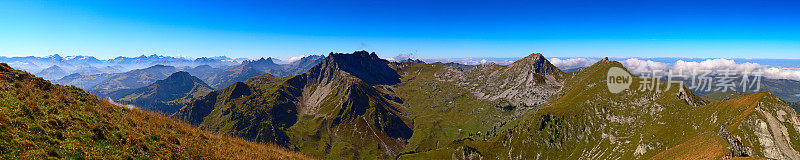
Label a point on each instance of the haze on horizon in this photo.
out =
(439, 29)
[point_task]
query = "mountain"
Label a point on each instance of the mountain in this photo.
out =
(132, 79)
(459, 66)
(41, 120)
(526, 82)
(360, 106)
(52, 73)
(584, 120)
(721, 96)
(84, 82)
(164, 96)
(340, 108)
(88, 65)
(240, 73)
(204, 72)
(304, 64)
(252, 68)
(786, 89)
(412, 61)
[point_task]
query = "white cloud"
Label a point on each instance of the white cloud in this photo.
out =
(296, 58)
(572, 63)
(401, 57)
(638, 67)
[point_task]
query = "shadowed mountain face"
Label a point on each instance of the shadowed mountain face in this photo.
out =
(164, 96)
(41, 120)
(363, 65)
(327, 108)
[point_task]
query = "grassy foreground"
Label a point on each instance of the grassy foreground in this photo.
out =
(40, 120)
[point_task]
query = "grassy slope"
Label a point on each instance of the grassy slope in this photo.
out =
(705, 146)
(442, 111)
(585, 121)
(41, 120)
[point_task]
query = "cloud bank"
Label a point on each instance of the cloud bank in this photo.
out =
(637, 66)
(572, 63)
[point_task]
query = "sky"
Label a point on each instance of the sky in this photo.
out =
(426, 29)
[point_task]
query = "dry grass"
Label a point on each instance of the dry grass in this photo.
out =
(40, 120)
(704, 146)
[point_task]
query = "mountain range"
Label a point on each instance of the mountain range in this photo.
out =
(252, 68)
(88, 65)
(103, 84)
(359, 106)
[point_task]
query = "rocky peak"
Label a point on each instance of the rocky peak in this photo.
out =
(364, 65)
(536, 62)
(605, 60)
(262, 61)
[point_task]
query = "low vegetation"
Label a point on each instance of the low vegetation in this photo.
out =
(40, 120)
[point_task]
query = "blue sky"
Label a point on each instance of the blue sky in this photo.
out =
(429, 29)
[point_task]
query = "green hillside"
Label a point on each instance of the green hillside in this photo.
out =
(585, 120)
(41, 120)
(358, 106)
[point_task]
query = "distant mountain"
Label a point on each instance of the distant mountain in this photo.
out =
(41, 120)
(339, 108)
(216, 71)
(204, 72)
(84, 82)
(88, 65)
(52, 73)
(252, 68)
(242, 72)
(132, 79)
(721, 96)
(413, 61)
(303, 65)
(165, 96)
(459, 66)
(785, 89)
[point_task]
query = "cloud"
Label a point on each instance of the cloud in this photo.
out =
(296, 58)
(639, 67)
(401, 57)
(716, 66)
(572, 63)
